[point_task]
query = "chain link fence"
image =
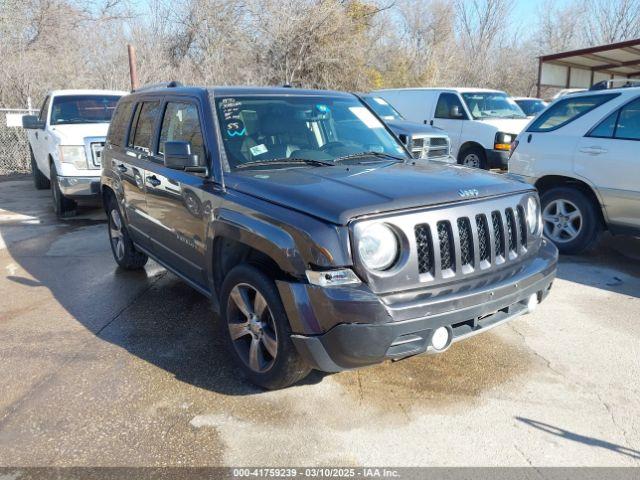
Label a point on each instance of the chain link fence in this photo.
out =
(14, 148)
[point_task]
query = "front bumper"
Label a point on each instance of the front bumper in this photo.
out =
(497, 159)
(378, 331)
(80, 187)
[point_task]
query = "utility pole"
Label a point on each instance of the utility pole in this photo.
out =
(133, 70)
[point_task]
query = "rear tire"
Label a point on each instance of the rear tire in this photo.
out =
(124, 251)
(39, 180)
(571, 220)
(63, 206)
(473, 157)
(257, 331)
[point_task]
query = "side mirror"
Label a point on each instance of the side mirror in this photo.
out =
(455, 112)
(178, 156)
(32, 122)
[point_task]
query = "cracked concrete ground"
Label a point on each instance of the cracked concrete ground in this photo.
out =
(105, 367)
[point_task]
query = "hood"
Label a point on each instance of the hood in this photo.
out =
(405, 127)
(76, 133)
(507, 125)
(340, 193)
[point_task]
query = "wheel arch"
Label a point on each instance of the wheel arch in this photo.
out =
(548, 182)
(469, 145)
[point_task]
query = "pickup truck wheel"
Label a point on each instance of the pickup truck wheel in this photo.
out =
(473, 157)
(124, 251)
(63, 206)
(39, 180)
(570, 219)
(257, 329)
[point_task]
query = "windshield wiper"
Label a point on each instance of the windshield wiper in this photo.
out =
(370, 154)
(285, 161)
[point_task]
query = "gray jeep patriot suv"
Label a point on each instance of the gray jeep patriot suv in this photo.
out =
(306, 222)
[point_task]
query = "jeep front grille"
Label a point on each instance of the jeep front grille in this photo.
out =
(469, 243)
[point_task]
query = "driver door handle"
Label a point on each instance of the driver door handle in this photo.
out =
(153, 180)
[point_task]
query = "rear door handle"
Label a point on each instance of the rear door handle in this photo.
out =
(595, 150)
(153, 180)
(122, 168)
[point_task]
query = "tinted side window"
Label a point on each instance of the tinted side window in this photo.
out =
(567, 110)
(445, 105)
(628, 126)
(181, 123)
(120, 123)
(45, 108)
(141, 136)
(606, 128)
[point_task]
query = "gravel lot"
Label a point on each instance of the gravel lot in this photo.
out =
(105, 367)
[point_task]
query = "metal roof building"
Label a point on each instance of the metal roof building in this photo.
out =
(585, 67)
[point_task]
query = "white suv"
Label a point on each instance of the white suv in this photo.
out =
(65, 142)
(583, 155)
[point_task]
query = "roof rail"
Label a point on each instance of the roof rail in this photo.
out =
(156, 86)
(616, 83)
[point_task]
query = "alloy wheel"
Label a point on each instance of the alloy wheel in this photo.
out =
(562, 220)
(252, 328)
(116, 235)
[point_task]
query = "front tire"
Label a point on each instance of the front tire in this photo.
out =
(570, 219)
(63, 206)
(473, 157)
(39, 180)
(124, 251)
(257, 330)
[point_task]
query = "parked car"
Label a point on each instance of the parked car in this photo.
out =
(424, 141)
(65, 143)
(480, 123)
(320, 241)
(583, 155)
(531, 106)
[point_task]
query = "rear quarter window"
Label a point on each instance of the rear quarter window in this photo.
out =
(120, 124)
(567, 110)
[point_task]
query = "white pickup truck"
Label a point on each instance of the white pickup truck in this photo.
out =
(66, 140)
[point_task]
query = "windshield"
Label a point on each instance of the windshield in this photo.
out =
(382, 108)
(492, 105)
(531, 107)
(262, 131)
(83, 109)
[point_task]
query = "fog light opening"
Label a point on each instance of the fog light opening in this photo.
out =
(532, 303)
(441, 338)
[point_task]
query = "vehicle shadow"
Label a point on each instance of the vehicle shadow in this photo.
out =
(575, 437)
(613, 265)
(151, 313)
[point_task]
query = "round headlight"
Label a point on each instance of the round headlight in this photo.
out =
(378, 247)
(533, 215)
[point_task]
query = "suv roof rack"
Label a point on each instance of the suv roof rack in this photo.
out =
(156, 86)
(616, 83)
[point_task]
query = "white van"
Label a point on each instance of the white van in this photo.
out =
(480, 123)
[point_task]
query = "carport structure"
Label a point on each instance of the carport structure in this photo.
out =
(588, 66)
